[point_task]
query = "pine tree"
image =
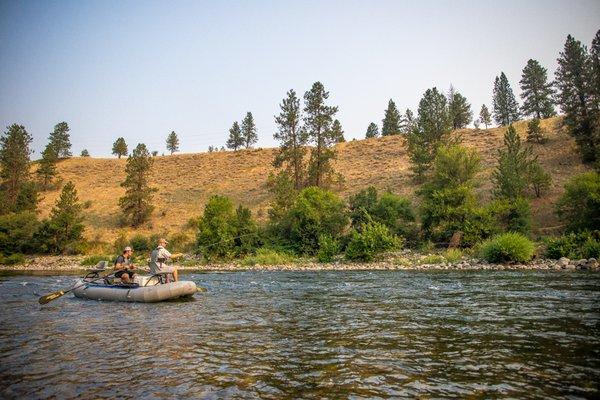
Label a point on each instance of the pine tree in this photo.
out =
(537, 92)
(47, 167)
(538, 179)
(534, 131)
(17, 191)
(65, 226)
(249, 130)
(318, 120)
(407, 122)
(514, 162)
(593, 71)
(337, 132)
(573, 96)
(432, 128)
(235, 140)
(292, 139)
(120, 147)
(372, 131)
(172, 142)
(85, 153)
(136, 204)
(485, 116)
(391, 121)
(60, 140)
(459, 109)
(506, 109)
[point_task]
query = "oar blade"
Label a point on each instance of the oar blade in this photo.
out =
(49, 297)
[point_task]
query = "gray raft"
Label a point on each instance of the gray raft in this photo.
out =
(144, 294)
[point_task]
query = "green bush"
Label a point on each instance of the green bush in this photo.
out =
(329, 247)
(511, 246)
(446, 211)
(579, 206)
(453, 255)
(265, 256)
(574, 245)
(432, 259)
(512, 215)
(95, 259)
(315, 212)
(374, 239)
(396, 212)
(15, 258)
(18, 232)
(140, 242)
(225, 232)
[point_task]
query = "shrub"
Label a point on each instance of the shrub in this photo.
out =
(140, 242)
(449, 203)
(361, 205)
(224, 232)
(15, 258)
(265, 256)
(574, 245)
(95, 259)
(17, 232)
(181, 242)
(511, 246)
(450, 210)
(511, 215)
(315, 212)
(374, 238)
(579, 206)
(329, 247)
(432, 259)
(394, 211)
(453, 255)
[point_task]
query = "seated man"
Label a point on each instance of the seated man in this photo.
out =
(124, 266)
(159, 257)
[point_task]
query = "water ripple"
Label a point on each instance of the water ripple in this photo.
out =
(354, 335)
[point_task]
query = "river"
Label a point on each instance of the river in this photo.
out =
(337, 335)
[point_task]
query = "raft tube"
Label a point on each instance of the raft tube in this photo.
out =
(141, 294)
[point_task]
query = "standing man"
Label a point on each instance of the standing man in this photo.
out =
(124, 266)
(159, 257)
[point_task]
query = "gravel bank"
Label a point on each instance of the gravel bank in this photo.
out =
(414, 262)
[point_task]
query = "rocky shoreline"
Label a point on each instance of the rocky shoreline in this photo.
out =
(72, 264)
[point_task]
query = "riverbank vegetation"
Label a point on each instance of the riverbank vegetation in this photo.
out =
(308, 218)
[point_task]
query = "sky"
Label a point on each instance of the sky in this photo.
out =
(140, 69)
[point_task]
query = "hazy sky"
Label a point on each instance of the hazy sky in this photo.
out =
(140, 69)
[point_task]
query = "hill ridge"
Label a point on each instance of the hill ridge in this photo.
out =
(185, 181)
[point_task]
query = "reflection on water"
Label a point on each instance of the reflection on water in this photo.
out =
(311, 335)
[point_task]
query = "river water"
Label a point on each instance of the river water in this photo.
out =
(337, 335)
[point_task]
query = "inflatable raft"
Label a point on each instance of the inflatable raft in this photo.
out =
(145, 292)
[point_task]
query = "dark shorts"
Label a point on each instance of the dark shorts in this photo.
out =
(120, 272)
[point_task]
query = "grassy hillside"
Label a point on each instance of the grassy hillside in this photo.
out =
(186, 181)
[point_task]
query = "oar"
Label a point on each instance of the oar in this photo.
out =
(55, 295)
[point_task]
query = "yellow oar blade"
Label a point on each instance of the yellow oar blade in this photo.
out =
(49, 297)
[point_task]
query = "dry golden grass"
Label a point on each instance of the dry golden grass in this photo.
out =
(186, 181)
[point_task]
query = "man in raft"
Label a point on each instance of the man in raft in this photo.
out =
(159, 257)
(124, 266)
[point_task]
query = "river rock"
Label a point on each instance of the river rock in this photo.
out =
(590, 264)
(563, 262)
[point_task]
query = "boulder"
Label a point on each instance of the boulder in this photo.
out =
(563, 262)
